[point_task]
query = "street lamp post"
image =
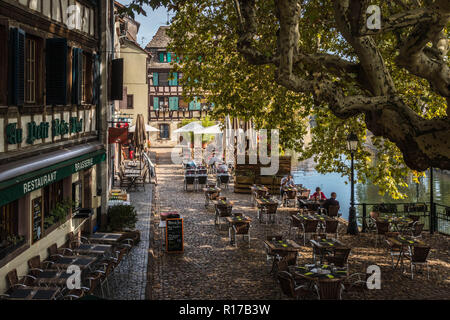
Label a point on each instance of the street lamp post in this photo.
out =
(352, 144)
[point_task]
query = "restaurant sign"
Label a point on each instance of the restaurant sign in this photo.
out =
(51, 175)
(14, 135)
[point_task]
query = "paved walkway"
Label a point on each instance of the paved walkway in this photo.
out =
(131, 284)
(210, 268)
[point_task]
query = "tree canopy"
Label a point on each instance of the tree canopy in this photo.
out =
(284, 63)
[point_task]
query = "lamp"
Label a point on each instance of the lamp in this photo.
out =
(352, 144)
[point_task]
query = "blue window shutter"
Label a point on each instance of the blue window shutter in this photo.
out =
(56, 71)
(18, 66)
(77, 73)
(169, 58)
(191, 105)
(161, 57)
(175, 79)
(155, 103)
(155, 79)
(173, 103)
(97, 80)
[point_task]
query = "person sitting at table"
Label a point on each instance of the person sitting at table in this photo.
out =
(330, 202)
(131, 149)
(222, 168)
(318, 195)
(287, 181)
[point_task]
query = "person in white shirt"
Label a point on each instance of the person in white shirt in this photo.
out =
(287, 181)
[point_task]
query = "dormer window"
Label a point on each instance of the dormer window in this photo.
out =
(165, 57)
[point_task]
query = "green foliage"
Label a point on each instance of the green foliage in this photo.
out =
(58, 213)
(121, 217)
(208, 29)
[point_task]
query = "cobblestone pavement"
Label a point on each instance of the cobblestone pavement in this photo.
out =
(210, 268)
(130, 279)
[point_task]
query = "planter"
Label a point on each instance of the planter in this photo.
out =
(5, 251)
(245, 180)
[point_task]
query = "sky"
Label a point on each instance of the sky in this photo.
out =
(150, 23)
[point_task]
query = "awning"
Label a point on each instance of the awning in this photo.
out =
(24, 176)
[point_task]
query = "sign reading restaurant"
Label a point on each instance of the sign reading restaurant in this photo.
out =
(54, 173)
(39, 182)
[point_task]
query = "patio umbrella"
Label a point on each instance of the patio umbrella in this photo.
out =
(212, 130)
(194, 127)
(148, 128)
(139, 133)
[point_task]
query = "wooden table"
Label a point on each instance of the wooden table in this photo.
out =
(34, 293)
(404, 243)
(93, 249)
(258, 191)
(283, 246)
(83, 262)
(313, 272)
(262, 203)
(236, 220)
(209, 192)
(397, 222)
(325, 245)
(52, 277)
(312, 205)
(223, 202)
(105, 238)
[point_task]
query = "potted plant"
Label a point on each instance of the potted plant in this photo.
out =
(121, 217)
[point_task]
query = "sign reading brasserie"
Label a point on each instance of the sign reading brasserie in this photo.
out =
(14, 135)
(26, 186)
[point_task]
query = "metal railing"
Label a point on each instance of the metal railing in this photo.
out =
(436, 217)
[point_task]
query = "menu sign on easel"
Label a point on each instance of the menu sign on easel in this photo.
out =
(36, 209)
(174, 235)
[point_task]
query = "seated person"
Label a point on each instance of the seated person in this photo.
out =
(330, 202)
(287, 181)
(222, 168)
(318, 195)
(191, 165)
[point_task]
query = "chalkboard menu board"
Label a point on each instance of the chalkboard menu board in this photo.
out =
(36, 210)
(174, 235)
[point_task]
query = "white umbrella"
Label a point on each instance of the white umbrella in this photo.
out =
(212, 130)
(148, 128)
(191, 127)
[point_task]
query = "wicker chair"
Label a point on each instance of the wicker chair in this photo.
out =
(333, 211)
(339, 257)
(331, 227)
(394, 251)
(190, 180)
(55, 253)
(416, 229)
(417, 257)
(329, 289)
(309, 227)
(356, 282)
(289, 287)
(290, 195)
(382, 228)
(221, 212)
(36, 266)
(242, 229)
(269, 210)
(304, 194)
(295, 223)
(14, 282)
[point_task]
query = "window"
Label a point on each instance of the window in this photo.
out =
(163, 78)
(173, 79)
(53, 194)
(83, 79)
(129, 101)
(164, 131)
(76, 196)
(165, 57)
(86, 79)
(30, 71)
(8, 223)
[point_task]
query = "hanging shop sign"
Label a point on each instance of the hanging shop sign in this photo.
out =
(14, 135)
(44, 177)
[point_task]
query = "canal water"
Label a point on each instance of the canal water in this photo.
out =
(368, 193)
